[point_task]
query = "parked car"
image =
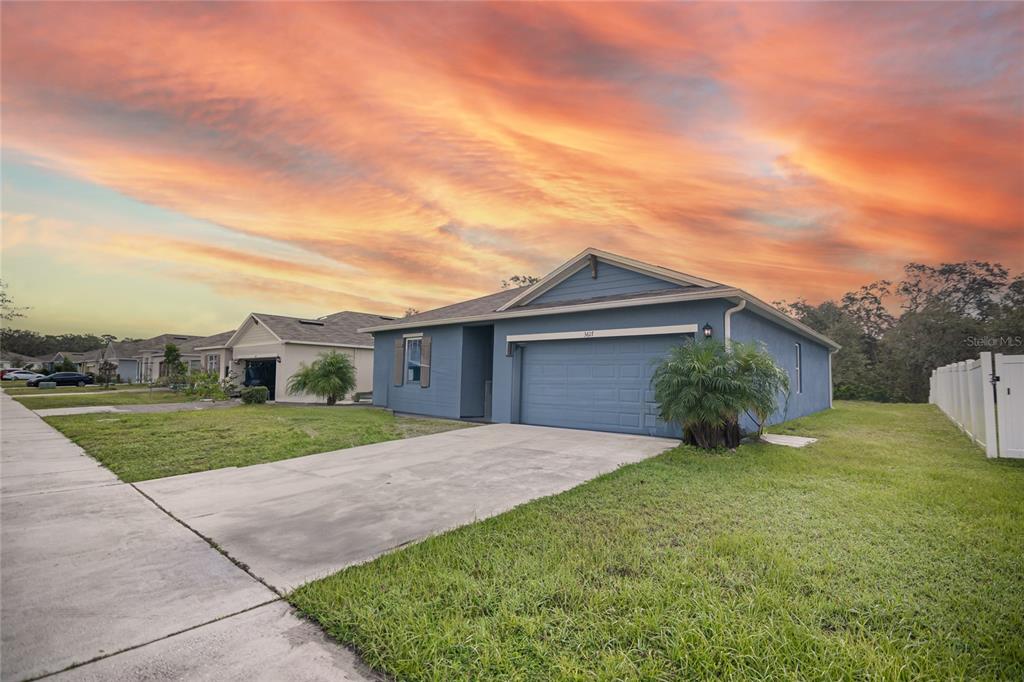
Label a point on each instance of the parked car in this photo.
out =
(63, 379)
(20, 374)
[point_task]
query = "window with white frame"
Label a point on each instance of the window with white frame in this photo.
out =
(413, 350)
(213, 363)
(799, 375)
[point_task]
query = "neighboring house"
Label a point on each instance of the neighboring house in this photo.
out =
(121, 354)
(77, 358)
(214, 353)
(578, 348)
(149, 355)
(90, 361)
(9, 360)
(267, 350)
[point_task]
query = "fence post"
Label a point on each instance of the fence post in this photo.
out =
(988, 392)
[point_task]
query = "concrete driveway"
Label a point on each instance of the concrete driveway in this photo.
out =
(299, 519)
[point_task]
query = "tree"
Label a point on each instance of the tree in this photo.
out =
(516, 281)
(941, 313)
(66, 364)
(8, 311)
(332, 377)
(970, 288)
(409, 312)
(174, 368)
(106, 373)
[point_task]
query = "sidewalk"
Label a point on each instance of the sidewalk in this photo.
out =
(94, 571)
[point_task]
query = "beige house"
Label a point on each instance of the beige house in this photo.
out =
(268, 349)
(149, 355)
(214, 354)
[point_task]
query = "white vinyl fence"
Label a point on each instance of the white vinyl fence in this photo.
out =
(985, 398)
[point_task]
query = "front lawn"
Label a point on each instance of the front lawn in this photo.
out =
(138, 447)
(86, 400)
(891, 549)
(29, 390)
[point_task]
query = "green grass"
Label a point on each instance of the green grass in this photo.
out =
(28, 390)
(138, 447)
(86, 400)
(891, 549)
(20, 383)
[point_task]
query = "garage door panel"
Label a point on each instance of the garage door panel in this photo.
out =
(601, 384)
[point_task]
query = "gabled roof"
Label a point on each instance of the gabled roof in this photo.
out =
(211, 342)
(585, 258)
(516, 302)
(339, 329)
(157, 343)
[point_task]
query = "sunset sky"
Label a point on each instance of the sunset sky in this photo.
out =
(171, 167)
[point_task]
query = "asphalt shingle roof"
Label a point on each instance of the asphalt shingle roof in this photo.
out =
(338, 329)
(477, 306)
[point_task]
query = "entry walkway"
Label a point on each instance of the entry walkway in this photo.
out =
(99, 582)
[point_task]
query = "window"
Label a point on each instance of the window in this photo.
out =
(799, 373)
(213, 363)
(193, 365)
(413, 348)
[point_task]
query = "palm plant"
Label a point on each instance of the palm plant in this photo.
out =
(763, 380)
(704, 387)
(698, 388)
(332, 377)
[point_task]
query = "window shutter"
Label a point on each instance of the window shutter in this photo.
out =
(399, 368)
(425, 362)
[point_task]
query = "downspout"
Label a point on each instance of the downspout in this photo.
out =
(830, 387)
(728, 320)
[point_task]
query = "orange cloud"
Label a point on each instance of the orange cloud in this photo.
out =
(430, 151)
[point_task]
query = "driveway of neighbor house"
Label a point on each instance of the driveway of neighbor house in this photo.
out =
(298, 519)
(91, 569)
(137, 409)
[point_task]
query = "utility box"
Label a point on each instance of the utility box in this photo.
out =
(47, 384)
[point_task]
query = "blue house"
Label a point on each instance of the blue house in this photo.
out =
(578, 348)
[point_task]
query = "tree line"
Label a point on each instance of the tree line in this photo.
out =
(34, 344)
(894, 333)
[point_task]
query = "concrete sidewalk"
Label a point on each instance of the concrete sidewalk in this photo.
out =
(97, 580)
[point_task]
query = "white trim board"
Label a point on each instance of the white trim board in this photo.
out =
(604, 333)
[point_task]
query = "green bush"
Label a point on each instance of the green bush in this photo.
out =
(330, 377)
(255, 395)
(705, 386)
(204, 385)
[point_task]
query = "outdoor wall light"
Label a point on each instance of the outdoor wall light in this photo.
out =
(707, 331)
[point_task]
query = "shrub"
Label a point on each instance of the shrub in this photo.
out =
(704, 387)
(255, 395)
(204, 385)
(331, 377)
(107, 373)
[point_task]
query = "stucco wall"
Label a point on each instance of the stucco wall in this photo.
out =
(444, 396)
(293, 355)
(441, 398)
(817, 389)
(505, 401)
